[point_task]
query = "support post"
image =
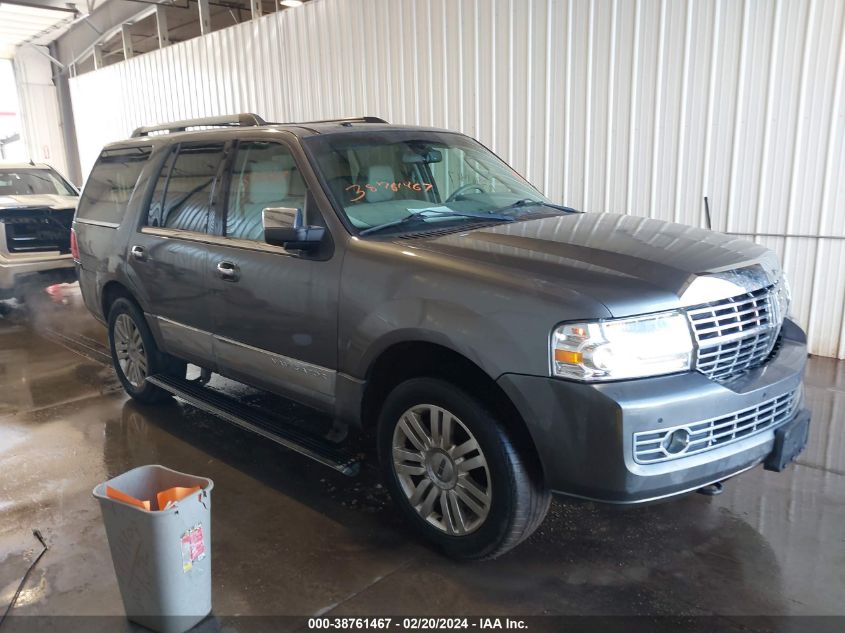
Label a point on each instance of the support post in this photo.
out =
(128, 50)
(161, 27)
(98, 56)
(255, 6)
(205, 17)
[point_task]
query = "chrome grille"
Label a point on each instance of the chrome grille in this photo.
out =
(37, 230)
(736, 334)
(654, 446)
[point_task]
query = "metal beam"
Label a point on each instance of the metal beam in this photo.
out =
(161, 27)
(86, 20)
(126, 35)
(51, 5)
(255, 7)
(67, 124)
(205, 16)
(98, 56)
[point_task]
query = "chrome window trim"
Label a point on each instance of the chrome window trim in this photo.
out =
(217, 240)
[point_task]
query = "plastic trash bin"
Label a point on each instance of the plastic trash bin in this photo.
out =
(162, 558)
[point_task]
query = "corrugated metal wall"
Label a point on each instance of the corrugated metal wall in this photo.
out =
(637, 106)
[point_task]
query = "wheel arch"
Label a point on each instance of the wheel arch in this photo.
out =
(114, 290)
(111, 292)
(404, 360)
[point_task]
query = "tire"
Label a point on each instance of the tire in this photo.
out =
(481, 499)
(135, 356)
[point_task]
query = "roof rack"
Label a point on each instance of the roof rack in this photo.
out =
(354, 119)
(245, 119)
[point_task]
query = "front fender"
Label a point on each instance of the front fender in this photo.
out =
(499, 320)
(443, 323)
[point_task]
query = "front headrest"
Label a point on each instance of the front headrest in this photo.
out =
(380, 174)
(267, 183)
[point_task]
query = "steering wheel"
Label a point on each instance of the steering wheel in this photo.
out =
(462, 190)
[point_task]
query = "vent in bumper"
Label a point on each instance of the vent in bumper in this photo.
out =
(735, 334)
(657, 446)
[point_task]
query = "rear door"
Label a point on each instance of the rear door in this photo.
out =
(275, 310)
(168, 256)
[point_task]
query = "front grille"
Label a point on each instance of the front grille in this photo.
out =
(656, 446)
(38, 230)
(735, 334)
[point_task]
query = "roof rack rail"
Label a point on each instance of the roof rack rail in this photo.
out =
(245, 119)
(354, 119)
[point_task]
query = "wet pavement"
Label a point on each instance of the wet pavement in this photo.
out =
(294, 538)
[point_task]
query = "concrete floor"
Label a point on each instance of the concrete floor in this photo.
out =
(294, 538)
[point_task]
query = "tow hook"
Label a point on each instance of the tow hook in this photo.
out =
(711, 490)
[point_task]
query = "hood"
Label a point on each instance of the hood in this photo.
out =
(632, 265)
(50, 201)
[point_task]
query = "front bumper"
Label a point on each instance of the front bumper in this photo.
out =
(584, 433)
(15, 271)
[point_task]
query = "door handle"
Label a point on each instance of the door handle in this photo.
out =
(227, 271)
(139, 253)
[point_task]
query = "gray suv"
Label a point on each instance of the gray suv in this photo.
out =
(495, 346)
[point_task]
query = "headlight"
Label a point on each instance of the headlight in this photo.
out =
(622, 348)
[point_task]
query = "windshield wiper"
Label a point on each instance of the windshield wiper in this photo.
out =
(428, 213)
(528, 202)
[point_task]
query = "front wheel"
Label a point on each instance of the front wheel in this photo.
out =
(135, 355)
(454, 471)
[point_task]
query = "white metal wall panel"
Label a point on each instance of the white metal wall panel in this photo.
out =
(39, 107)
(632, 106)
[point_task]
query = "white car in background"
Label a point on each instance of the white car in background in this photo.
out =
(36, 212)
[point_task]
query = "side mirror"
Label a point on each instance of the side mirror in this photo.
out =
(284, 226)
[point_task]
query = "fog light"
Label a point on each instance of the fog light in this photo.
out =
(676, 442)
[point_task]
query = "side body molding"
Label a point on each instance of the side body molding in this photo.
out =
(310, 384)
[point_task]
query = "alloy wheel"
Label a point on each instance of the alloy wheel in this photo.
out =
(442, 469)
(129, 349)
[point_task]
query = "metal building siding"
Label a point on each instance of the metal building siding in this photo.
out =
(636, 106)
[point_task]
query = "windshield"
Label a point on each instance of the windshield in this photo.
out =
(405, 180)
(27, 182)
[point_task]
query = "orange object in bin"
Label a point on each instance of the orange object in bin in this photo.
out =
(164, 498)
(172, 495)
(111, 493)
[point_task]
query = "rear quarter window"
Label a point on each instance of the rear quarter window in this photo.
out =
(111, 183)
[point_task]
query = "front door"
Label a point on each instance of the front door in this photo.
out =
(275, 312)
(167, 257)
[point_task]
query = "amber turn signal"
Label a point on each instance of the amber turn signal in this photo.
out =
(565, 356)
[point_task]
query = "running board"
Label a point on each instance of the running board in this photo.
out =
(246, 417)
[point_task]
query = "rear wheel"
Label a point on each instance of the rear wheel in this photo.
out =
(135, 354)
(455, 473)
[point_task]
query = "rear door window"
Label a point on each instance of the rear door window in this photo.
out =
(111, 184)
(183, 194)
